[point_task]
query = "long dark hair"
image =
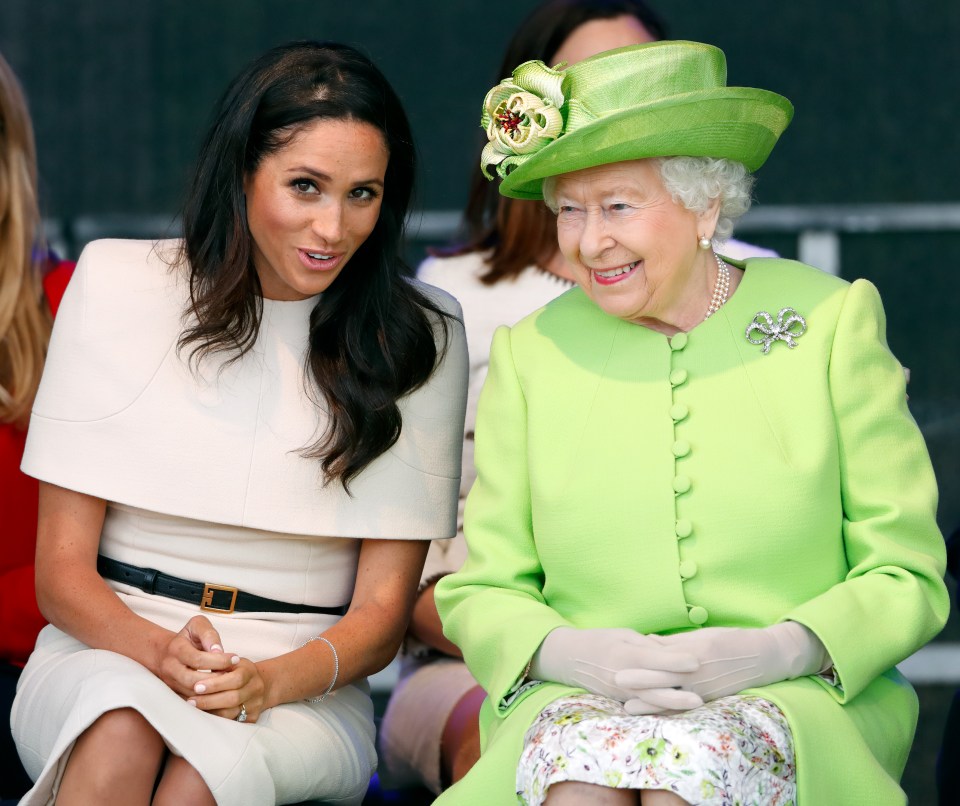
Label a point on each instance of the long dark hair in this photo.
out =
(520, 233)
(373, 335)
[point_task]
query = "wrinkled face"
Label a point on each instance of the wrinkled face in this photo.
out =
(631, 248)
(312, 203)
(596, 36)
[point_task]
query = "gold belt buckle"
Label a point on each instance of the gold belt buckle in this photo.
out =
(206, 603)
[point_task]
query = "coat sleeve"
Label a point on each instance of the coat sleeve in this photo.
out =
(494, 608)
(893, 599)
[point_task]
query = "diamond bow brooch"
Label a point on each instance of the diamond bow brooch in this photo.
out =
(789, 327)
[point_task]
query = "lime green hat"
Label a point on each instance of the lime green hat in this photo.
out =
(661, 99)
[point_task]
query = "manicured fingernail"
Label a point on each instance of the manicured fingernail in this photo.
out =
(199, 688)
(192, 702)
(216, 648)
(235, 660)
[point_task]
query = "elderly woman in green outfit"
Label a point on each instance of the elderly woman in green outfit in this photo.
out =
(702, 533)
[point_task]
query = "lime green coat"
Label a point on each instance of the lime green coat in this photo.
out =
(630, 480)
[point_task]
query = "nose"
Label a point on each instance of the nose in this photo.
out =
(595, 237)
(327, 223)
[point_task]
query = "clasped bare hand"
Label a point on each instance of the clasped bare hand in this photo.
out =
(226, 693)
(197, 668)
(192, 655)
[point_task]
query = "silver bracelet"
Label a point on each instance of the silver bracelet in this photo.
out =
(336, 666)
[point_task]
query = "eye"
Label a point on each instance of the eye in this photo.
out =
(364, 193)
(620, 207)
(304, 186)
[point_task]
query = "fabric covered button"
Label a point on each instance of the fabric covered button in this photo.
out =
(679, 341)
(698, 615)
(684, 528)
(678, 411)
(681, 484)
(681, 448)
(678, 376)
(688, 568)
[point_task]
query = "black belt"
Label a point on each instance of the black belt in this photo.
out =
(209, 597)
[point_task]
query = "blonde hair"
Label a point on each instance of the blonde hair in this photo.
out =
(24, 319)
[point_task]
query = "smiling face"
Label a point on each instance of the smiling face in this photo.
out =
(312, 203)
(633, 249)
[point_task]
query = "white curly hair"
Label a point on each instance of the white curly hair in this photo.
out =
(695, 182)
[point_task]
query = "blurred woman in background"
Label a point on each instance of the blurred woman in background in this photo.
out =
(32, 280)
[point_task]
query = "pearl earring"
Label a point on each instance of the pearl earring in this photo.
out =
(704, 242)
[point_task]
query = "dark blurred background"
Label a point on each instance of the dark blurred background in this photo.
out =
(121, 92)
(865, 182)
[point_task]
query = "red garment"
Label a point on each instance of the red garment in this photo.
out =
(20, 620)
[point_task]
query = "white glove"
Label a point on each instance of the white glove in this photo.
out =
(594, 659)
(734, 659)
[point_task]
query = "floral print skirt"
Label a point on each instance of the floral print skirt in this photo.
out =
(735, 750)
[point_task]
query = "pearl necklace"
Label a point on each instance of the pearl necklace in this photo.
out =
(721, 289)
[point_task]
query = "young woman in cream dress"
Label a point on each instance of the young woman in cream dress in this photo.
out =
(245, 440)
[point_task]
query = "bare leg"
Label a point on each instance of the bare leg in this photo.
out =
(181, 785)
(115, 761)
(460, 743)
(574, 793)
(659, 797)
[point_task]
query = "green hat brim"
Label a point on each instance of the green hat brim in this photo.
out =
(736, 123)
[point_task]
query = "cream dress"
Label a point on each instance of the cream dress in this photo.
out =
(204, 481)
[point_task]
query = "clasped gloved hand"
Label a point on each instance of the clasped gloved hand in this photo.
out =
(732, 659)
(598, 659)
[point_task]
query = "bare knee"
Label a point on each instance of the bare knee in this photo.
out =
(181, 785)
(575, 793)
(120, 740)
(659, 797)
(122, 726)
(460, 743)
(119, 753)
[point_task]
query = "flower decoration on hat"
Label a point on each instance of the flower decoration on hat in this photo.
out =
(521, 115)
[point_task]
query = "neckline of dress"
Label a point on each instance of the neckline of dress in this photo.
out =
(725, 308)
(285, 306)
(705, 323)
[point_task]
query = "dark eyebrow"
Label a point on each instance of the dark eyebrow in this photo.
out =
(304, 169)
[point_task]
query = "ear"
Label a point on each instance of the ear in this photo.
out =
(707, 220)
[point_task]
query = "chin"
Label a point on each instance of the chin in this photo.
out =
(619, 313)
(616, 307)
(315, 284)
